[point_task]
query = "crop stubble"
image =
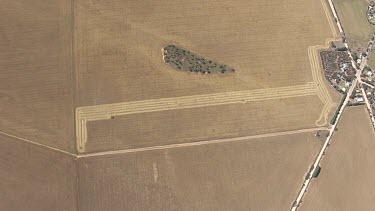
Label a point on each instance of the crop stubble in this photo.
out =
(258, 174)
(120, 42)
(346, 179)
(36, 79)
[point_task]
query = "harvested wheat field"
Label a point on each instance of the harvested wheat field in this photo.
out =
(119, 44)
(68, 64)
(35, 178)
(213, 122)
(120, 68)
(346, 181)
(92, 118)
(36, 80)
(358, 30)
(257, 174)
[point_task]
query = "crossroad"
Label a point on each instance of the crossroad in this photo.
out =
(309, 177)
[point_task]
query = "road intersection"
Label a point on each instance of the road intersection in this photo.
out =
(356, 81)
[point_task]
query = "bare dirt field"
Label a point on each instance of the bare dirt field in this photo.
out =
(35, 179)
(119, 43)
(258, 174)
(346, 181)
(36, 87)
(182, 125)
(358, 30)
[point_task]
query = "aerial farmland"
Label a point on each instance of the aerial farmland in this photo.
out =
(346, 179)
(118, 60)
(162, 105)
(222, 176)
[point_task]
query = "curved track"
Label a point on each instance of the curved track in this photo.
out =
(317, 87)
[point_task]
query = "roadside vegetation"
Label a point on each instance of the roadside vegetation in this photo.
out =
(334, 118)
(352, 16)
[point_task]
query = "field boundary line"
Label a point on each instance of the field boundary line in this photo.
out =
(108, 111)
(168, 146)
(36, 143)
(200, 143)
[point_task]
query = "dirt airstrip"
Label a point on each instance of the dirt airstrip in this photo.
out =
(214, 122)
(94, 69)
(81, 54)
(131, 74)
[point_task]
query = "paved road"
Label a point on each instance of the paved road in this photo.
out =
(368, 107)
(340, 111)
(324, 148)
(369, 85)
(363, 64)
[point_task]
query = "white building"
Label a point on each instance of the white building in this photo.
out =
(359, 99)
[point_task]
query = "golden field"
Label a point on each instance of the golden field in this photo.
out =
(61, 57)
(92, 118)
(35, 179)
(118, 59)
(346, 179)
(256, 174)
(200, 124)
(36, 77)
(118, 46)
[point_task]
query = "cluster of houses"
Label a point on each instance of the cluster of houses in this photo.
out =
(337, 68)
(357, 97)
(368, 76)
(370, 93)
(371, 13)
(368, 83)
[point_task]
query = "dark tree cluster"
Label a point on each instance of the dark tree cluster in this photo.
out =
(337, 67)
(184, 60)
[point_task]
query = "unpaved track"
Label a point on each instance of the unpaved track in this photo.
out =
(36, 143)
(319, 158)
(200, 143)
(315, 62)
(317, 87)
(102, 112)
(170, 145)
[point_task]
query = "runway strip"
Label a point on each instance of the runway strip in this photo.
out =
(106, 111)
(317, 87)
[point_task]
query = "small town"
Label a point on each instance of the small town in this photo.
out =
(371, 13)
(340, 73)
